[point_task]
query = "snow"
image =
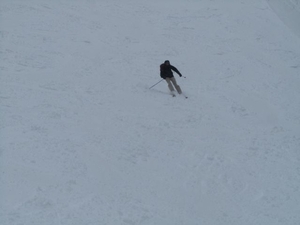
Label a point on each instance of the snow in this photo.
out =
(289, 12)
(84, 140)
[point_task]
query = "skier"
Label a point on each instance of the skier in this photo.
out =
(167, 74)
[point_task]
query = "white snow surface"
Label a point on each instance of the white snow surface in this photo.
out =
(84, 141)
(289, 12)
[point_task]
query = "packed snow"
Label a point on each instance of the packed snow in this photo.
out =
(84, 141)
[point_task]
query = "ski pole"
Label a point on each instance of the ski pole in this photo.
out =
(156, 84)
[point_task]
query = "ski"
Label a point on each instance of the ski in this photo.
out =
(173, 94)
(184, 95)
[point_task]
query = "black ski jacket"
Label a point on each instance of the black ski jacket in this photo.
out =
(166, 71)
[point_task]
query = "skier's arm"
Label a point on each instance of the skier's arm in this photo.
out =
(176, 70)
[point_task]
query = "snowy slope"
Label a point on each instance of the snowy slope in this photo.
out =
(84, 141)
(289, 12)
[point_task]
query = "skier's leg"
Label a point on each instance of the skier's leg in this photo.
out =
(178, 89)
(170, 84)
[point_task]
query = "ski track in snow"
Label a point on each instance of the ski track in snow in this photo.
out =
(84, 140)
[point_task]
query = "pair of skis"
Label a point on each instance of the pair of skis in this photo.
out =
(173, 95)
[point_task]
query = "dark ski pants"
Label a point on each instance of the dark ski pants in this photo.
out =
(172, 83)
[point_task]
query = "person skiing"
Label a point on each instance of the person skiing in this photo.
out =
(166, 73)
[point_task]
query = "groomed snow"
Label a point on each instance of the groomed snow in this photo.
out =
(84, 141)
